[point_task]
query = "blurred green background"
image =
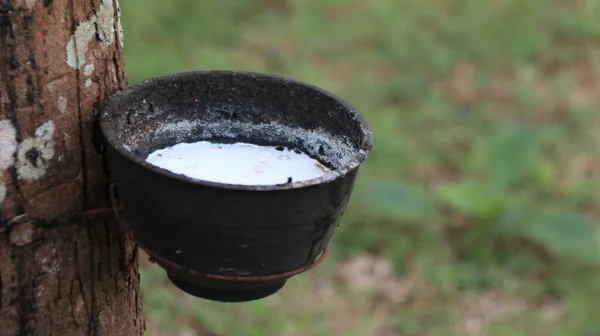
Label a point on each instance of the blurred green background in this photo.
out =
(476, 213)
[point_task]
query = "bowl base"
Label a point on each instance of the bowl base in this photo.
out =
(226, 295)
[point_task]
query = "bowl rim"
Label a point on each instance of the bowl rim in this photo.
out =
(110, 134)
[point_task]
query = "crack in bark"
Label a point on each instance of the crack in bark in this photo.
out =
(80, 115)
(79, 279)
(33, 91)
(94, 276)
(73, 304)
(108, 244)
(137, 301)
(26, 303)
(58, 287)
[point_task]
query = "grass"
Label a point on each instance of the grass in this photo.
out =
(479, 201)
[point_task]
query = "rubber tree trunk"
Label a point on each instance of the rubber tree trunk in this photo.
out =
(66, 268)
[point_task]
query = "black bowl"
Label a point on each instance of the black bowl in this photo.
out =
(222, 241)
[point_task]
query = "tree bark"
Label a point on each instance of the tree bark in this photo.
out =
(66, 268)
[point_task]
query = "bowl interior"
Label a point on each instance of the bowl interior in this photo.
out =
(229, 107)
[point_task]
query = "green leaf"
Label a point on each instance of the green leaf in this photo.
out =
(546, 174)
(475, 199)
(400, 201)
(566, 233)
(513, 154)
(514, 220)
